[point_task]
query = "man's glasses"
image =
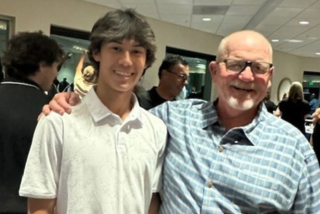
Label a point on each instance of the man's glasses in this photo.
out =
(259, 68)
(181, 77)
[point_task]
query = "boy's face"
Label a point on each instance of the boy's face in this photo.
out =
(121, 65)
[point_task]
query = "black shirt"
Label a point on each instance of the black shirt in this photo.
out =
(150, 99)
(21, 102)
(295, 112)
(316, 140)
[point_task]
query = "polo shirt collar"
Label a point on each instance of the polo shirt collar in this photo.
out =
(210, 117)
(99, 111)
(21, 81)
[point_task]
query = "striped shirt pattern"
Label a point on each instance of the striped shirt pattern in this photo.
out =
(267, 166)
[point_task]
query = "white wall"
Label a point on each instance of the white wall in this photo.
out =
(34, 15)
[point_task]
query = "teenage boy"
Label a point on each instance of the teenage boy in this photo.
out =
(107, 155)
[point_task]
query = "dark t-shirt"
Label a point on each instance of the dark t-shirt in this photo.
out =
(150, 99)
(21, 102)
(294, 112)
(316, 140)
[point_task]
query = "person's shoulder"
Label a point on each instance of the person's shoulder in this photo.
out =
(143, 94)
(184, 105)
(146, 115)
(277, 125)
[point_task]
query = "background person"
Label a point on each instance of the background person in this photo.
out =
(31, 62)
(295, 109)
(173, 77)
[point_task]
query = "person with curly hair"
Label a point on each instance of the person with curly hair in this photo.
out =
(31, 62)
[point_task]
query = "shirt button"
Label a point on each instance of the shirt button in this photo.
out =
(210, 184)
(220, 149)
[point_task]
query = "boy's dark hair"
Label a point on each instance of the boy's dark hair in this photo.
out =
(118, 25)
(26, 50)
(169, 62)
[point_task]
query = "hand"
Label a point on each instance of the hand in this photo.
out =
(61, 103)
(316, 116)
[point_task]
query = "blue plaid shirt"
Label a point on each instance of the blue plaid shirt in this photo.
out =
(267, 166)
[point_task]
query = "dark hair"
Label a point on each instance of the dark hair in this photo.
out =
(1, 73)
(118, 25)
(169, 62)
(26, 50)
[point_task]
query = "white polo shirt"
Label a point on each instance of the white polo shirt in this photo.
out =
(93, 162)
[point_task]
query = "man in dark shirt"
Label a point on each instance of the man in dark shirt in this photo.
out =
(31, 62)
(269, 104)
(173, 76)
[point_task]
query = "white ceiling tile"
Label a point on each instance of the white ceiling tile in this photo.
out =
(136, 1)
(248, 2)
(175, 9)
(274, 20)
(267, 29)
(313, 32)
(183, 20)
(297, 3)
(291, 31)
(242, 10)
(237, 20)
(213, 3)
(316, 5)
(185, 2)
(285, 12)
(310, 13)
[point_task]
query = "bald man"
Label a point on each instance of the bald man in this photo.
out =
(232, 156)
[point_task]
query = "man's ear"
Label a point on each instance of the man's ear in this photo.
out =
(213, 67)
(270, 76)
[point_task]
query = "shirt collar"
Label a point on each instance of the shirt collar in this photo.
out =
(99, 111)
(22, 81)
(210, 117)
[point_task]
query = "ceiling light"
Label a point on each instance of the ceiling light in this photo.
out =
(275, 40)
(304, 23)
(294, 40)
(206, 19)
(318, 53)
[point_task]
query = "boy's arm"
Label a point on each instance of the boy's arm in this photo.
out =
(41, 206)
(155, 204)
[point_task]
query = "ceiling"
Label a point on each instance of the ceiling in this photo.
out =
(276, 19)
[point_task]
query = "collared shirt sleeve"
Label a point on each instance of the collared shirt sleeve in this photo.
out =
(42, 169)
(162, 141)
(308, 195)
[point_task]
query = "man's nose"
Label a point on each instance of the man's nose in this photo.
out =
(247, 75)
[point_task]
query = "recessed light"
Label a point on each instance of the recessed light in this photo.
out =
(206, 19)
(275, 40)
(294, 40)
(304, 23)
(318, 53)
